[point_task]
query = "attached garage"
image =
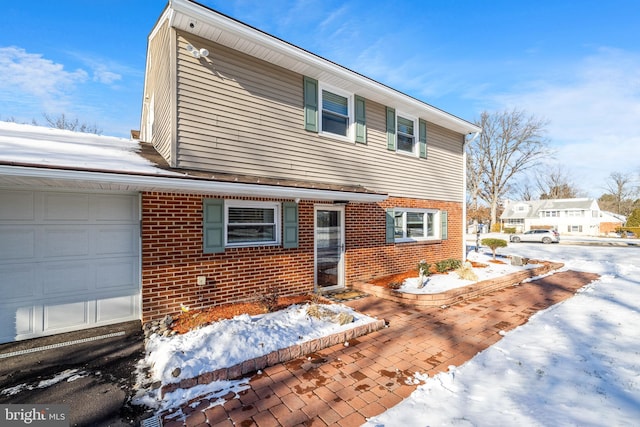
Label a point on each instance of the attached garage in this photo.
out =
(69, 260)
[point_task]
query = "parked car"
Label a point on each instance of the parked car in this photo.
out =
(544, 236)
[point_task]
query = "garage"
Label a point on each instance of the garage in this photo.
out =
(68, 260)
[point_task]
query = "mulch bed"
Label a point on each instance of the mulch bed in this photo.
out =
(193, 319)
(395, 280)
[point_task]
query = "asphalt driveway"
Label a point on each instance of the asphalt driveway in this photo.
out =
(92, 371)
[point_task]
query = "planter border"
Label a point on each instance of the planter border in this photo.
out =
(275, 357)
(463, 293)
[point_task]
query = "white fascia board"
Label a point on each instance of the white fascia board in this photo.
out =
(383, 93)
(77, 179)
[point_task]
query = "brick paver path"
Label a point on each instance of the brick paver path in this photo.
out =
(345, 385)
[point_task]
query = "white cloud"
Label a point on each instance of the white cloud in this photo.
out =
(30, 77)
(593, 107)
(102, 75)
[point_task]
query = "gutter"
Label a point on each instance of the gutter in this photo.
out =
(179, 184)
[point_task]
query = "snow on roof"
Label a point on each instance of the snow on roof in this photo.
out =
(57, 148)
(34, 155)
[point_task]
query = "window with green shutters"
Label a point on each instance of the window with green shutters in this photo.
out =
(405, 134)
(334, 112)
(231, 223)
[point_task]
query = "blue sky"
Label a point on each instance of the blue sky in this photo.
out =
(576, 64)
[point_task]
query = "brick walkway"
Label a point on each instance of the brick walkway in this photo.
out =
(345, 385)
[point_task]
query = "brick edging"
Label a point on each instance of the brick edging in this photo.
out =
(277, 356)
(460, 294)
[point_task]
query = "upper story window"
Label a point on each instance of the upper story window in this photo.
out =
(521, 208)
(406, 134)
(335, 113)
(551, 213)
(575, 213)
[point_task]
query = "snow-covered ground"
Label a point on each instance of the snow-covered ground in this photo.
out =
(438, 283)
(229, 342)
(574, 364)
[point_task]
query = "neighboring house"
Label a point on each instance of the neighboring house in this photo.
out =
(580, 216)
(610, 222)
(261, 165)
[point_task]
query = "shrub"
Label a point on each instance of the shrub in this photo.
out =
(424, 268)
(495, 228)
(494, 244)
(268, 298)
(448, 265)
(509, 230)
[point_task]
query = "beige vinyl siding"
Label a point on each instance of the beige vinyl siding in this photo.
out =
(239, 115)
(158, 88)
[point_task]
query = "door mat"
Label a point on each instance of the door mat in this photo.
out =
(345, 295)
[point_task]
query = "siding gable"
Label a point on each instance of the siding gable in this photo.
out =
(240, 115)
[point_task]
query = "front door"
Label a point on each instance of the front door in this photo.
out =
(329, 247)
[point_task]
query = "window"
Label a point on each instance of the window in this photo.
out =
(574, 229)
(551, 214)
(237, 223)
(406, 135)
(415, 224)
(335, 113)
(575, 213)
(515, 221)
(251, 223)
(521, 208)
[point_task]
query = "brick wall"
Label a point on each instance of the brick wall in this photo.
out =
(172, 258)
(368, 255)
(172, 255)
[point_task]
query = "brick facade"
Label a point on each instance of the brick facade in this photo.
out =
(172, 256)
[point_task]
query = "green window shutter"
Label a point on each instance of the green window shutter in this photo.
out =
(361, 120)
(444, 219)
(290, 225)
(391, 129)
(310, 89)
(391, 229)
(213, 229)
(422, 137)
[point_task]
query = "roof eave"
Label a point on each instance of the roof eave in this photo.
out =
(52, 177)
(310, 64)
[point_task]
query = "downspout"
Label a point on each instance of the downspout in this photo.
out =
(464, 192)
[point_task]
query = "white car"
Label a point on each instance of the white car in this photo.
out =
(544, 236)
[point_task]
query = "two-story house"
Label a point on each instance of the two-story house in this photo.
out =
(235, 103)
(270, 167)
(579, 216)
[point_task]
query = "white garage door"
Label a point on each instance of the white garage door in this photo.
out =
(68, 261)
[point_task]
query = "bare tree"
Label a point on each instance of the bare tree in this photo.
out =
(619, 185)
(511, 142)
(475, 171)
(554, 183)
(63, 122)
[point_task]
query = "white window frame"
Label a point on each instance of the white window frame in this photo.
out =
(416, 135)
(350, 136)
(437, 226)
(252, 204)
